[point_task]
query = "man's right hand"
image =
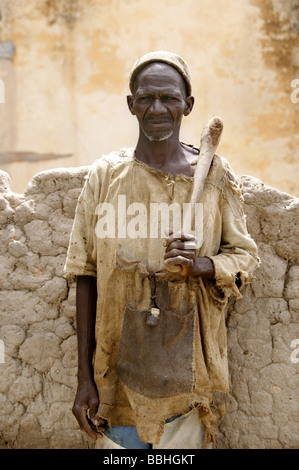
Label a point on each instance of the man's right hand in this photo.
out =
(85, 408)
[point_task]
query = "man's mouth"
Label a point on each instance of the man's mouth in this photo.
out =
(156, 122)
(158, 129)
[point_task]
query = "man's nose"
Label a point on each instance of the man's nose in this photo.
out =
(157, 106)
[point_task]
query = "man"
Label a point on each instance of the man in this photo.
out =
(152, 343)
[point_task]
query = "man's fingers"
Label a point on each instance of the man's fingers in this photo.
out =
(182, 237)
(180, 260)
(180, 245)
(183, 263)
(184, 254)
(180, 251)
(92, 414)
(190, 245)
(168, 232)
(86, 424)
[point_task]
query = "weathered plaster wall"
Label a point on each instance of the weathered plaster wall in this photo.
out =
(37, 321)
(66, 81)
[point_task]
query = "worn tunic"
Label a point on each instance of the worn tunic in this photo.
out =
(146, 374)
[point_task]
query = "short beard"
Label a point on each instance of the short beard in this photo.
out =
(161, 138)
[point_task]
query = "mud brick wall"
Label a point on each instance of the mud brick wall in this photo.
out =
(38, 360)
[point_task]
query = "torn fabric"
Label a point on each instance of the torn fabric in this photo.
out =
(123, 266)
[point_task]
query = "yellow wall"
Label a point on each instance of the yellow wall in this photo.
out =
(66, 86)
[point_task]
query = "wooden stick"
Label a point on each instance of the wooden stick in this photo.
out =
(209, 142)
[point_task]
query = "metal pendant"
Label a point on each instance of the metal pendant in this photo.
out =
(153, 317)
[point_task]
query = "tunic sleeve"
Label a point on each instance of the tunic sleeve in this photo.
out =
(237, 257)
(81, 255)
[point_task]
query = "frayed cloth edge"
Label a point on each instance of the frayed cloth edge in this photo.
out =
(195, 405)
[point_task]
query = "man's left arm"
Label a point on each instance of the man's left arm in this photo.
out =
(237, 258)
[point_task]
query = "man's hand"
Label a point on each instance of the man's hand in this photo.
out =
(85, 408)
(181, 250)
(87, 399)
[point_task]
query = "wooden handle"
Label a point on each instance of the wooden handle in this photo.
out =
(209, 142)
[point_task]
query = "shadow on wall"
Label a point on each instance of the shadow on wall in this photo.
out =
(38, 331)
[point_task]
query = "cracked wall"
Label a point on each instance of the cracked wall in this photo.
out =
(262, 406)
(38, 331)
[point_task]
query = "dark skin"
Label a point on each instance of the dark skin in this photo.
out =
(87, 399)
(159, 102)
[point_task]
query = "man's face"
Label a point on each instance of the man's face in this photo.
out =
(159, 101)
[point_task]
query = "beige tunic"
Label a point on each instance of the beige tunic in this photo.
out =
(147, 374)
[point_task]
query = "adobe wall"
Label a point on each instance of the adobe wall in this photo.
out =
(38, 331)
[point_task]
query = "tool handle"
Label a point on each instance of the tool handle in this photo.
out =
(209, 142)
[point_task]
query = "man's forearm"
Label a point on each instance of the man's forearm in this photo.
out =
(86, 299)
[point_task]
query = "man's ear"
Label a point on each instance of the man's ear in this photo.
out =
(189, 105)
(130, 101)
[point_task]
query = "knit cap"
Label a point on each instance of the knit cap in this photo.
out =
(162, 56)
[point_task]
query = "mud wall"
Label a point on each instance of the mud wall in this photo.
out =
(38, 360)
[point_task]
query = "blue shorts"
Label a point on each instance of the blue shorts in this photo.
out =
(127, 437)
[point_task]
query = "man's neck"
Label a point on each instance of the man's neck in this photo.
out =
(164, 155)
(168, 156)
